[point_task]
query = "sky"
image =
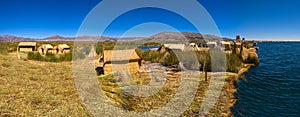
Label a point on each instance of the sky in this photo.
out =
(252, 19)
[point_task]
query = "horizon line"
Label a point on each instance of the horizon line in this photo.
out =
(75, 36)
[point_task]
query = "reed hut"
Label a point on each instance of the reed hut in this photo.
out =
(211, 44)
(27, 46)
(120, 60)
(227, 45)
(168, 47)
(175, 46)
(45, 48)
(193, 44)
(62, 49)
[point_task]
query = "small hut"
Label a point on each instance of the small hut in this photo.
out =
(227, 45)
(167, 47)
(119, 60)
(62, 49)
(211, 44)
(27, 46)
(175, 46)
(45, 48)
(193, 44)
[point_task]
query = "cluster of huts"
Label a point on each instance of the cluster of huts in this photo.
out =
(223, 45)
(44, 48)
(118, 60)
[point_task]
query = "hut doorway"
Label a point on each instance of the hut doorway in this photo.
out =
(100, 71)
(43, 51)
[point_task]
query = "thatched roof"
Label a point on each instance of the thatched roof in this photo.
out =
(211, 43)
(46, 46)
(119, 55)
(225, 43)
(27, 44)
(175, 46)
(63, 46)
(192, 44)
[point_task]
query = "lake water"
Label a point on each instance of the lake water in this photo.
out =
(273, 87)
(148, 47)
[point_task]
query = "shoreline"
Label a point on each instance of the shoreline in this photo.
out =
(221, 108)
(232, 88)
(226, 99)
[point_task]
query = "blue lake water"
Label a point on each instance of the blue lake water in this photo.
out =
(273, 87)
(148, 47)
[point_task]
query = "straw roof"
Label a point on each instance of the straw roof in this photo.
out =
(192, 44)
(119, 55)
(211, 43)
(27, 44)
(63, 46)
(175, 46)
(225, 43)
(46, 46)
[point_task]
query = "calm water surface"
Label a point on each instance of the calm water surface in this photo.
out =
(148, 47)
(273, 87)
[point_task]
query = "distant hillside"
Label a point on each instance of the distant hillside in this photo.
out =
(176, 36)
(227, 39)
(55, 38)
(192, 36)
(212, 37)
(130, 39)
(10, 38)
(163, 36)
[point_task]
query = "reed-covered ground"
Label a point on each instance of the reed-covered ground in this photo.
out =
(166, 94)
(35, 88)
(31, 88)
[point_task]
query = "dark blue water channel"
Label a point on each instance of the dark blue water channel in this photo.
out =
(148, 47)
(273, 87)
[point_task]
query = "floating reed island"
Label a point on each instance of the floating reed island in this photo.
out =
(45, 69)
(160, 60)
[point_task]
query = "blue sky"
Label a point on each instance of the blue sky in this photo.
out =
(253, 19)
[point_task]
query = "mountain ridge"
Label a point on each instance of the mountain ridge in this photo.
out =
(162, 36)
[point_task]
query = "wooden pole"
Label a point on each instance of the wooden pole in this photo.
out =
(205, 75)
(18, 54)
(205, 70)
